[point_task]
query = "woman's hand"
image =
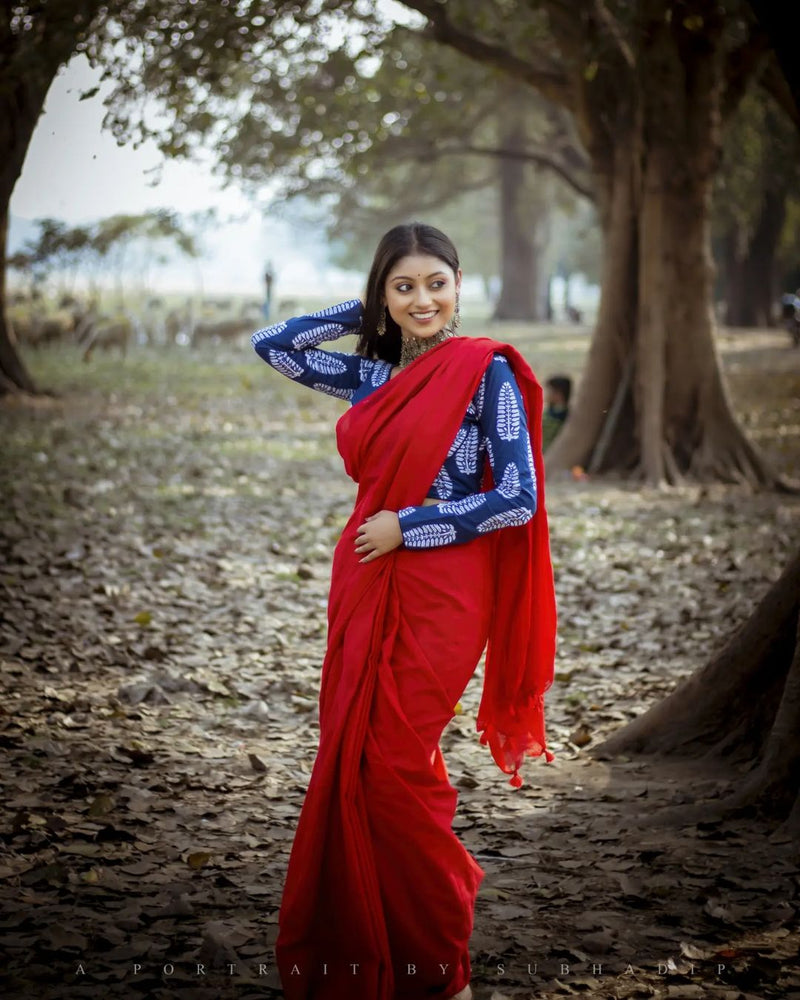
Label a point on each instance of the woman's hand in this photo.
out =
(378, 535)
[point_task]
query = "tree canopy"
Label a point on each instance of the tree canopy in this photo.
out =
(631, 78)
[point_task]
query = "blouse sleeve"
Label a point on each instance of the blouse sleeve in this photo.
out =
(512, 502)
(291, 349)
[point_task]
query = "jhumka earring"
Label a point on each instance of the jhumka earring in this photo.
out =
(382, 322)
(455, 322)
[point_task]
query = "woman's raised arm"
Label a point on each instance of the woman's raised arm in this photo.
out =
(291, 348)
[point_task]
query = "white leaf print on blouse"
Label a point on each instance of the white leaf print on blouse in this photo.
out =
(475, 408)
(267, 333)
(321, 361)
(428, 535)
(467, 455)
(489, 450)
(284, 364)
(459, 438)
(443, 484)
(317, 334)
(508, 419)
(530, 460)
(333, 390)
(464, 505)
(510, 485)
(380, 372)
(506, 519)
(338, 308)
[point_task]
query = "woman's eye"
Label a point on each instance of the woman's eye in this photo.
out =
(438, 284)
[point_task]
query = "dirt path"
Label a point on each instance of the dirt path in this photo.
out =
(165, 559)
(592, 895)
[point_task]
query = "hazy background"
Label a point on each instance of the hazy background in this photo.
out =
(77, 173)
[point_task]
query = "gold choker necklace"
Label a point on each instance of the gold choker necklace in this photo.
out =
(412, 347)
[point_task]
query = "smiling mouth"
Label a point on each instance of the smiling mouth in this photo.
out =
(424, 316)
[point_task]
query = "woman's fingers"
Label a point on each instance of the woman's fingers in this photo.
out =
(377, 539)
(367, 549)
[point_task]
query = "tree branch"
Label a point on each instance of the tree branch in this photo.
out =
(611, 30)
(551, 82)
(432, 202)
(540, 157)
(571, 165)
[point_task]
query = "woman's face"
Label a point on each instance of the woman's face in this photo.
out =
(420, 294)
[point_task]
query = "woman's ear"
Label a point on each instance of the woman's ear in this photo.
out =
(459, 274)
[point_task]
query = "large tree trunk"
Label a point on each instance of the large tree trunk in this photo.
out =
(652, 401)
(519, 257)
(750, 265)
(744, 705)
(31, 57)
(604, 401)
(21, 103)
(13, 374)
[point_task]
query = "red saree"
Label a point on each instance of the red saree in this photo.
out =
(379, 896)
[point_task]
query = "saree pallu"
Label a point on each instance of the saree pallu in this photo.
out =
(379, 896)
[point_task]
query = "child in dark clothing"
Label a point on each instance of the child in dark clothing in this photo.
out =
(557, 391)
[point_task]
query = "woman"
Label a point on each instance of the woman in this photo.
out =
(447, 549)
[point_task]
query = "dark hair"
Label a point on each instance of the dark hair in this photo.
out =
(562, 384)
(413, 237)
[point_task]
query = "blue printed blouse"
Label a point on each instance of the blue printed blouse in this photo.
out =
(494, 428)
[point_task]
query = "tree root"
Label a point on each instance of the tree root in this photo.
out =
(746, 698)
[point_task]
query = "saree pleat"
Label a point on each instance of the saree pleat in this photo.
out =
(379, 896)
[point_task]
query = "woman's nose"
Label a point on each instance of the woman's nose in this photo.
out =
(422, 296)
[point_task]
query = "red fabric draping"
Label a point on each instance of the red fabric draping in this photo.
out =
(379, 895)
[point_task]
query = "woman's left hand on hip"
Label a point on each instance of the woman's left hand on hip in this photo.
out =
(378, 535)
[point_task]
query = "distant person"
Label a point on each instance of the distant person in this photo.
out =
(447, 548)
(557, 390)
(790, 315)
(790, 304)
(269, 281)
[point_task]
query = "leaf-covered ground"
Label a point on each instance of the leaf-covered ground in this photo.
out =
(164, 559)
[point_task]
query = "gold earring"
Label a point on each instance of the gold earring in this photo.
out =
(455, 323)
(382, 322)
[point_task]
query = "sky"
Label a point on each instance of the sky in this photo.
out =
(76, 172)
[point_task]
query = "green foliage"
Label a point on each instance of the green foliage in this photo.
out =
(210, 63)
(348, 101)
(59, 248)
(332, 98)
(761, 155)
(375, 124)
(761, 150)
(152, 226)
